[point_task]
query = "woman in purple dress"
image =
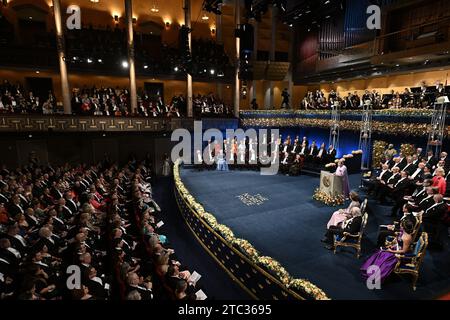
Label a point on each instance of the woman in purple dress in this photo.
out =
(385, 258)
(341, 171)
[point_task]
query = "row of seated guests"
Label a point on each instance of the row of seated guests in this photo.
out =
(149, 269)
(116, 102)
(210, 106)
(420, 182)
(291, 154)
(422, 97)
(395, 239)
(53, 219)
(16, 100)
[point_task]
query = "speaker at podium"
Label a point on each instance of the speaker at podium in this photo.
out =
(331, 184)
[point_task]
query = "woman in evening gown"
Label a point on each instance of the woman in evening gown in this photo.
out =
(340, 215)
(385, 258)
(341, 171)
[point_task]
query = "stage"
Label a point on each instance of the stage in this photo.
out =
(279, 217)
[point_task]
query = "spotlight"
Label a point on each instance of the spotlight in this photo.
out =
(145, 66)
(175, 69)
(205, 17)
(89, 60)
(124, 64)
(212, 72)
(100, 61)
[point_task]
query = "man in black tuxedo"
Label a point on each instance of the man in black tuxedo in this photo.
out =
(15, 206)
(374, 183)
(431, 161)
(391, 230)
(386, 187)
(432, 218)
(312, 152)
(410, 167)
(427, 201)
(144, 288)
(351, 226)
(70, 203)
(331, 154)
(399, 192)
(95, 284)
(388, 161)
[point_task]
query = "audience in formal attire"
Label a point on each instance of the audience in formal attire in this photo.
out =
(101, 219)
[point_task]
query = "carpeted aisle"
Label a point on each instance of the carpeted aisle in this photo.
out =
(215, 282)
(288, 226)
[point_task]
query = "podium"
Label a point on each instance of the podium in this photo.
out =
(330, 184)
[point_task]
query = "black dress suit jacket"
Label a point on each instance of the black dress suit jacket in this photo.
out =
(354, 226)
(410, 168)
(435, 213)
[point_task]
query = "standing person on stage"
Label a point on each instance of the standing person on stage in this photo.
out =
(341, 171)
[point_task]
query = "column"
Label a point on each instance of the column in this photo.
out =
(273, 41)
(252, 93)
(219, 40)
(130, 44)
(237, 21)
(187, 23)
(61, 58)
(290, 74)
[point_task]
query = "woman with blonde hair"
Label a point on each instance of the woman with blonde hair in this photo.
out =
(340, 215)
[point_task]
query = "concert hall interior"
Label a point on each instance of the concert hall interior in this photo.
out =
(185, 150)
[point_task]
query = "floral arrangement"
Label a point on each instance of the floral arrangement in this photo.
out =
(226, 232)
(378, 152)
(395, 128)
(308, 288)
(247, 248)
(407, 149)
(410, 112)
(273, 266)
(270, 264)
(329, 200)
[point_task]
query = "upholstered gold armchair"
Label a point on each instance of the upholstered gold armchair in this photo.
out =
(352, 240)
(410, 263)
(392, 240)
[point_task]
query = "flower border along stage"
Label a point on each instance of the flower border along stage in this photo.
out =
(327, 199)
(268, 263)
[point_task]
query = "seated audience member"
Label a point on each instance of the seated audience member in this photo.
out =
(385, 258)
(341, 215)
(351, 225)
(393, 229)
(180, 291)
(439, 181)
(432, 219)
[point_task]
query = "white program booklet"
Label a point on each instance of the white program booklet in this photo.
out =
(160, 224)
(195, 276)
(200, 295)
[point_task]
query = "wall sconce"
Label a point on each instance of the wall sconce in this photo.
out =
(134, 20)
(116, 19)
(213, 31)
(167, 24)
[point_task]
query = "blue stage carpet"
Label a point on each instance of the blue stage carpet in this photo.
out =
(289, 226)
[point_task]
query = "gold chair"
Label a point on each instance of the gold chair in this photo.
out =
(352, 240)
(410, 263)
(392, 240)
(364, 206)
